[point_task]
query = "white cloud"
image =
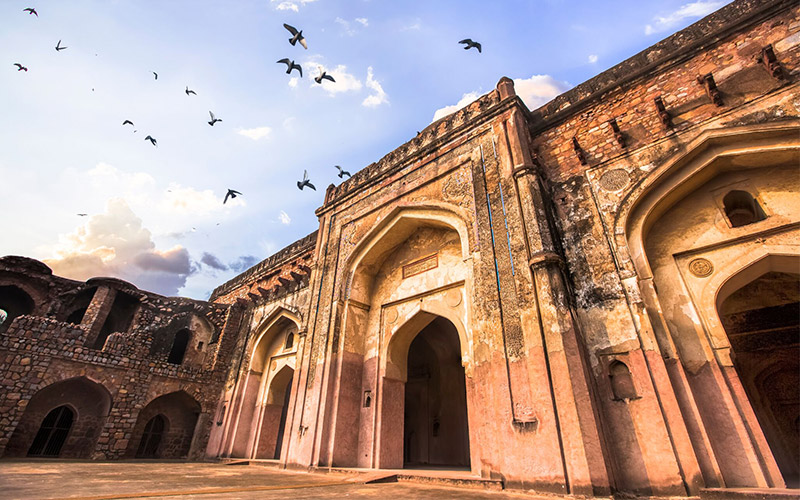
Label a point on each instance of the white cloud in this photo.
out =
(592, 58)
(379, 97)
(115, 244)
(284, 218)
(289, 4)
(414, 25)
(345, 82)
(363, 20)
(697, 9)
(293, 81)
(256, 133)
(465, 100)
(538, 89)
(288, 124)
(534, 91)
(187, 200)
(345, 26)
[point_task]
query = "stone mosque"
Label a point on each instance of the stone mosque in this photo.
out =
(600, 296)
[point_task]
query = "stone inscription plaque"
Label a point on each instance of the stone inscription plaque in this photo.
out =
(421, 265)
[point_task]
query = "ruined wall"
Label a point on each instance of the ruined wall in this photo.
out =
(41, 350)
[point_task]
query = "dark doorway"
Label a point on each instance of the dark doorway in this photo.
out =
(762, 320)
(52, 433)
(178, 350)
(436, 432)
(282, 424)
(151, 437)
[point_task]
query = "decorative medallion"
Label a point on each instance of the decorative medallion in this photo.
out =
(614, 180)
(701, 267)
(453, 297)
(391, 315)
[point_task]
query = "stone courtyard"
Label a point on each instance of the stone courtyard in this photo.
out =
(58, 479)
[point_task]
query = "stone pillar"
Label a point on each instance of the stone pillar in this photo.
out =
(97, 312)
(578, 424)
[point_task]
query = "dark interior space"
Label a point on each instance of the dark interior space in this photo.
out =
(435, 425)
(762, 320)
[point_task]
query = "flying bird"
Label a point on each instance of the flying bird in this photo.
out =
(297, 36)
(190, 91)
(20, 67)
(230, 194)
(342, 172)
(128, 122)
(155, 75)
(305, 182)
(469, 44)
(152, 141)
(59, 48)
(290, 65)
(323, 76)
(82, 215)
(30, 11)
(214, 119)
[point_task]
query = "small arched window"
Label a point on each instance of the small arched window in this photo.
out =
(289, 340)
(621, 381)
(179, 347)
(742, 209)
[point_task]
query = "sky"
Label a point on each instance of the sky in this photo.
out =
(154, 215)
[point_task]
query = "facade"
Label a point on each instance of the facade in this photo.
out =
(601, 295)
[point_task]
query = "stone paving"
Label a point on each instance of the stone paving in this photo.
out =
(84, 480)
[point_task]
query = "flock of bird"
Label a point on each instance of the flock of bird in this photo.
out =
(291, 65)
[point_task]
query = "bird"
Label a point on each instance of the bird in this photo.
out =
(323, 76)
(152, 141)
(290, 65)
(30, 11)
(214, 119)
(297, 36)
(20, 67)
(305, 182)
(82, 215)
(155, 75)
(59, 48)
(230, 194)
(469, 44)
(128, 122)
(342, 172)
(190, 91)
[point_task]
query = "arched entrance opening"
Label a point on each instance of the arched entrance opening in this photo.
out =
(64, 419)
(762, 321)
(435, 430)
(273, 428)
(262, 408)
(52, 433)
(165, 427)
(151, 437)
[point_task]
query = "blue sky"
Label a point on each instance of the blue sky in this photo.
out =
(155, 215)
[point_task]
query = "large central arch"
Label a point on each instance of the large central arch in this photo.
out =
(413, 267)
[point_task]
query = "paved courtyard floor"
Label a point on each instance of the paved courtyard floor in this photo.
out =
(55, 479)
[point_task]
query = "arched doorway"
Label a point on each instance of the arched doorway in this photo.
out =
(165, 427)
(762, 321)
(52, 433)
(273, 426)
(435, 429)
(151, 437)
(64, 419)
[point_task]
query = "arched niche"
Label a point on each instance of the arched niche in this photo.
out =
(180, 412)
(90, 403)
(673, 229)
(15, 301)
(257, 414)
